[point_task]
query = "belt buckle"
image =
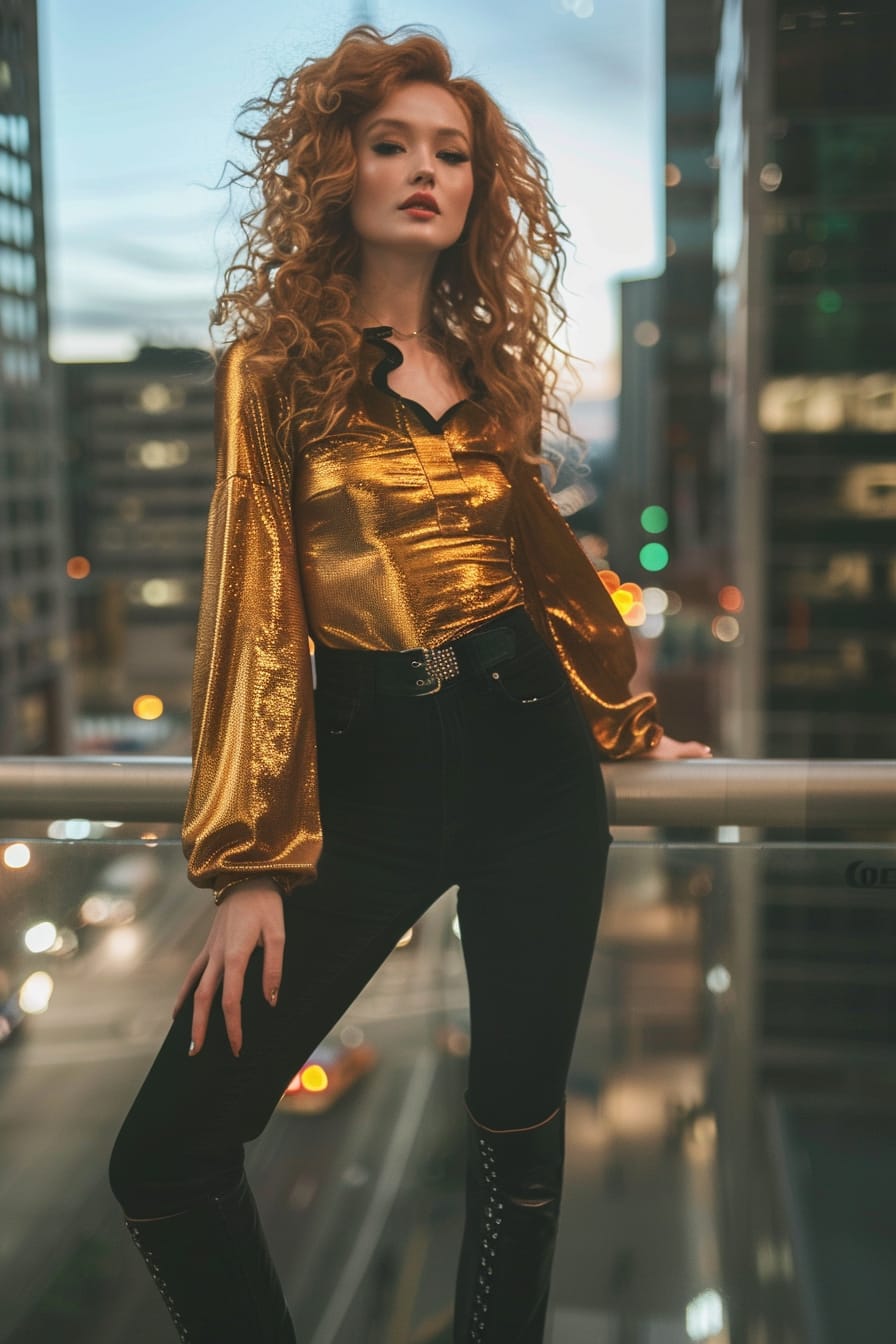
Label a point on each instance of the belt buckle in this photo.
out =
(439, 664)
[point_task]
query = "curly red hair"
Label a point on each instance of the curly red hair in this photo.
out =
(288, 292)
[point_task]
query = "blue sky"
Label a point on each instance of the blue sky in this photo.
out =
(139, 106)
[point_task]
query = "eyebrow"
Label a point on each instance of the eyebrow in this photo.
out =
(404, 126)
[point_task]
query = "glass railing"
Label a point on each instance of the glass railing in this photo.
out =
(731, 1101)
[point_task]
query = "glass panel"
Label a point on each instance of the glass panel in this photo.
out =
(831, 332)
(845, 158)
(833, 58)
(811, 247)
(729, 1143)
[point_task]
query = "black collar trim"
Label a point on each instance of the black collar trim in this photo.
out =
(392, 358)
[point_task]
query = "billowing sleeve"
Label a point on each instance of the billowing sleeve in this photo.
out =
(252, 808)
(567, 601)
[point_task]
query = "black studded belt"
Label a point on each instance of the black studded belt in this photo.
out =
(424, 671)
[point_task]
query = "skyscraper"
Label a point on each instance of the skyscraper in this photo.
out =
(806, 384)
(807, 309)
(142, 464)
(34, 684)
(665, 468)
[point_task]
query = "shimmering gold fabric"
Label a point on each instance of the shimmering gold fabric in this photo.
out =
(570, 605)
(394, 532)
(403, 527)
(252, 806)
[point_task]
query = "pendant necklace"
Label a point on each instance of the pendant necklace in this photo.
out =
(403, 335)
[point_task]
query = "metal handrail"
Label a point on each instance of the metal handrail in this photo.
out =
(794, 794)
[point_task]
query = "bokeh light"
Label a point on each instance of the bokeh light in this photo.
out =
(36, 992)
(314, 1078)
(731, 598)
(646, 333)
(40, 937)
(718, 979)
(65, 944)
(161, 592)
(17, 855)
(69, 828)
(653, 556)
(123, 945)
(77, 567)
(726, 629)
(829, 301)
(155, 398)
(654, 518)
(656, 601)
(148, 707)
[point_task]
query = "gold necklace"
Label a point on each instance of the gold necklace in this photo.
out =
(403, 335)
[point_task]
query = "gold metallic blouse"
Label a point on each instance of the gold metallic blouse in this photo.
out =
(396, 531)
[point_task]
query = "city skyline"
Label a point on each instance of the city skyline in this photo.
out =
(138, 236)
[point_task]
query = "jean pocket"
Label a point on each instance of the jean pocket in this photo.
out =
(533, 677)
(334, 712)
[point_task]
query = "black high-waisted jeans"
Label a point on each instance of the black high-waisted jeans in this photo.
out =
(493, 784)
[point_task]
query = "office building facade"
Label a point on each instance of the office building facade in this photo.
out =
(666, 460)
(806, 389)
(35, 689)
(807, 321)
(141, 471)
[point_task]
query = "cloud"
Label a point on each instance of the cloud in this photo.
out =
(137, 234)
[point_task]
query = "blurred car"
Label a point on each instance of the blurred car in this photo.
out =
(334, 1067)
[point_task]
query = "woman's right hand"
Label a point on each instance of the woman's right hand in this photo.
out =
(249, 916)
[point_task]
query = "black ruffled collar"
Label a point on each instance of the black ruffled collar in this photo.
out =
(392, 358)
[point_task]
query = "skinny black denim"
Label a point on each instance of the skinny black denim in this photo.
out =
(492, 783)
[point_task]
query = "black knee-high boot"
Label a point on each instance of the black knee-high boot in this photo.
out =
(514, 1182)
(212, 1267)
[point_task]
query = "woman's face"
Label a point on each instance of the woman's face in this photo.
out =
(419, 140)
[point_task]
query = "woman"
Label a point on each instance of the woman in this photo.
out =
(378, 486)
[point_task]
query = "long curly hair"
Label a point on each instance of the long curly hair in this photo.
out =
(289, 291)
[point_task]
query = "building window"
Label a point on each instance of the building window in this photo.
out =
(20, 366)
(15, 176)
(14, 132)
(18, 318)
(16, 224)
(18, 271)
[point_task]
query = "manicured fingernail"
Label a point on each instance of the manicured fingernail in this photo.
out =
(274, 994)
(192, 1049)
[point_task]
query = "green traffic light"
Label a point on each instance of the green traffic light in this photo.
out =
(653, 556)
(654, 518)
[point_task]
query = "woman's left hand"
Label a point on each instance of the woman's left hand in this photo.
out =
(670, 749)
